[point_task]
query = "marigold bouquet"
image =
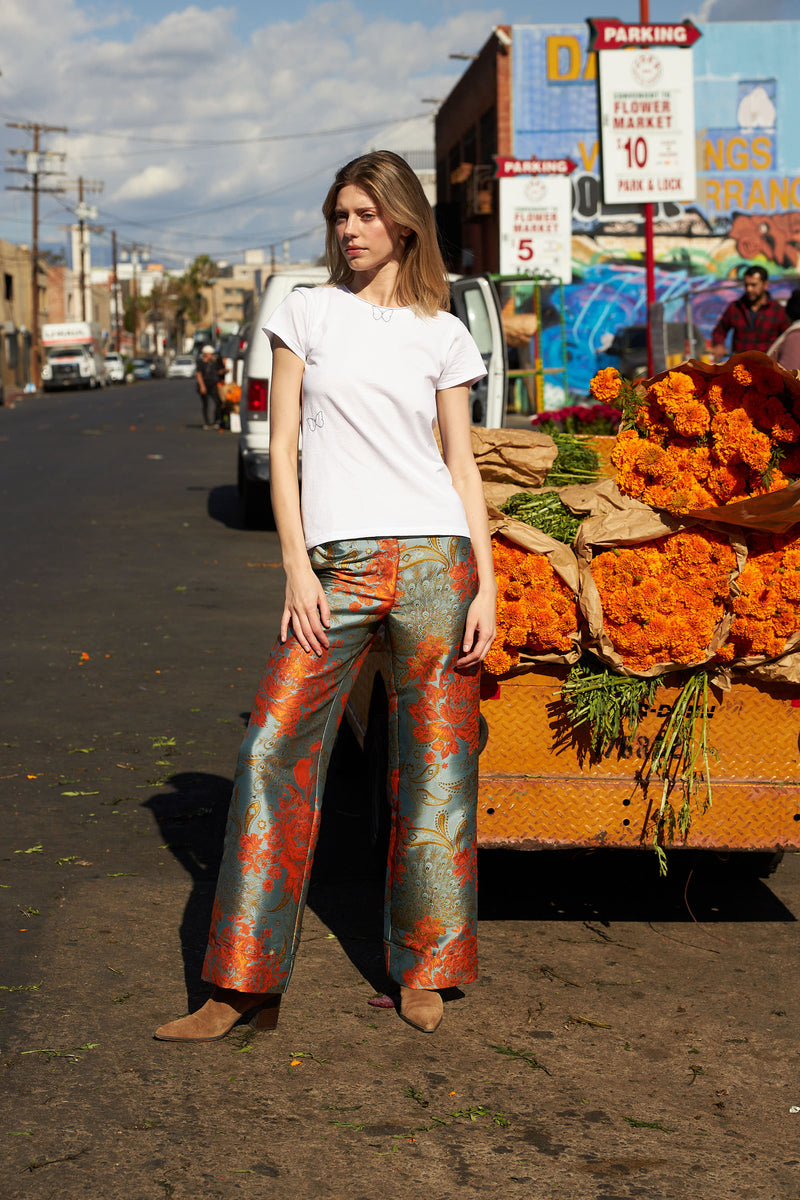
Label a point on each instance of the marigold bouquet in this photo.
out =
(537, 613)
(766, 609)
(663, 600)
(700, 437)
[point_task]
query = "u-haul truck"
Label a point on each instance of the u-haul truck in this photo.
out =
(73, 355)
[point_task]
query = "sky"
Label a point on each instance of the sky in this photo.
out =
(218, 127)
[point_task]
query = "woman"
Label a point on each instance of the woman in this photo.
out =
(786, 349)
(390, 532)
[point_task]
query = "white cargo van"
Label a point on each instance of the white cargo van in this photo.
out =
(474, 301)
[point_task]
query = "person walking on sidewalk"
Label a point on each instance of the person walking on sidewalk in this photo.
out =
(390, 533)
(207, 385)
(755, 318)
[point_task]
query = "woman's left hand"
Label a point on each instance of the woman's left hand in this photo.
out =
(480, 629)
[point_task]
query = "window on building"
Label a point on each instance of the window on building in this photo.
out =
(487, 135)
(8, 286)
(470, 149)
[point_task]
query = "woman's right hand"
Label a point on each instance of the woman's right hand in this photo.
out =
(306, 610)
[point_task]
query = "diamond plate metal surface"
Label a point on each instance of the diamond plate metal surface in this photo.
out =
(537, 787)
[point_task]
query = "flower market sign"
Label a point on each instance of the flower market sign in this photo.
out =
(647, 132)
(536, 224)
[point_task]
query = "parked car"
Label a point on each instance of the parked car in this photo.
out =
(158, 366)
(115, 367)
(142, 368)
(182, 366)
(474, 301)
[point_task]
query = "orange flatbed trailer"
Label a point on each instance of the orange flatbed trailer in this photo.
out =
(539, 789)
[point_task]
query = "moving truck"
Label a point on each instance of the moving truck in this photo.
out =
(74, 355)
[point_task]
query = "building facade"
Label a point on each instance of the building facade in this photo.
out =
(532, 92)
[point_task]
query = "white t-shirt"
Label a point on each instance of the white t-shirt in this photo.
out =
(371, 466)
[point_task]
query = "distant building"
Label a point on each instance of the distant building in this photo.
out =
(16, 311)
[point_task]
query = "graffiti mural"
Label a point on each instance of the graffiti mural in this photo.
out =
(747, 96)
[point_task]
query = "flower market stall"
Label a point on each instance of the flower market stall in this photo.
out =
(670, 717)
(643, 687)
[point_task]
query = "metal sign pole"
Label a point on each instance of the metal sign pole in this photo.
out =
(649, 240)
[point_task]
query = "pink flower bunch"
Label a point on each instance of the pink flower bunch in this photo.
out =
(579, 418)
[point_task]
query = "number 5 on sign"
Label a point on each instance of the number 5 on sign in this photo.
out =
(536, 225)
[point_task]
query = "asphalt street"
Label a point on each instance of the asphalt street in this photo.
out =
(628, 1037)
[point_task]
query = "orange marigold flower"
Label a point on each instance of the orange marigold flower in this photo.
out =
(766, 612)
(742, 375)
(606, 385)
(685, 579)
(536, 610)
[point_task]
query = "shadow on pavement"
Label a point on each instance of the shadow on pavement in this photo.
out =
(346, 889)
(347, 880)
(223, 506)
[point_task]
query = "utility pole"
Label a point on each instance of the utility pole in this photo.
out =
(85, 212)
(115, 289)
(137, 253)
(34, 166)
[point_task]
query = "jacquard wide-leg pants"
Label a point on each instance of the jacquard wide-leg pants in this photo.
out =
(420, 589)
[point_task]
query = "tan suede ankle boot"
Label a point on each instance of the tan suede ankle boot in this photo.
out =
(224, 1009)
(421, 1009)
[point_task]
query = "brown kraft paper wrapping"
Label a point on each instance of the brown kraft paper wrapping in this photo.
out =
(513, 456)
(563, 561)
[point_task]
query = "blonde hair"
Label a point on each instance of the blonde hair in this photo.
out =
(388, 179)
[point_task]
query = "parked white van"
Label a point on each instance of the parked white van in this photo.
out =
(474, 301)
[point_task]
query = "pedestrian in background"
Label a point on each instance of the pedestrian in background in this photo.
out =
(208, 386)
(786, 349)
(755, 319)
(391, 533)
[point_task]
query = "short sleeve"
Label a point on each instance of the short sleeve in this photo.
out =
(290, 322)
(463, 363)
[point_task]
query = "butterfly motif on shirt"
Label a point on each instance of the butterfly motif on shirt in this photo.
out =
(382, 314)
(315, 422)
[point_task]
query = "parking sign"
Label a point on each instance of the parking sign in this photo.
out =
(647, 125)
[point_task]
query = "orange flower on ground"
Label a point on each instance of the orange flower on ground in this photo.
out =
(766, 609)
(536, 611)
(662, 600)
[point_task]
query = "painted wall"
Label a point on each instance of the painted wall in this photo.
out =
(747, 101)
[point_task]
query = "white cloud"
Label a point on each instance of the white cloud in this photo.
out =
(152, 181)
(188, 77)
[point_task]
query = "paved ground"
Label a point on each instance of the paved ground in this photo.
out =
(628, 1038)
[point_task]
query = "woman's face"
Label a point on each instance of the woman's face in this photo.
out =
(367, 239)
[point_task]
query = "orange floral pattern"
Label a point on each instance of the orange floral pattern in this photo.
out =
(420, 590)
(442, 964)
(662, 600)
(767, 609)
(697, 441)
(536, 611)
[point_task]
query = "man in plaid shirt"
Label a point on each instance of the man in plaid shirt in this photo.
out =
(755, 318)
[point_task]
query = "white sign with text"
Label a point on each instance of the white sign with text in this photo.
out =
(647, 125)
(536, 226)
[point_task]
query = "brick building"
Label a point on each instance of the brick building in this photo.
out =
(473, 124)
(15, 315)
